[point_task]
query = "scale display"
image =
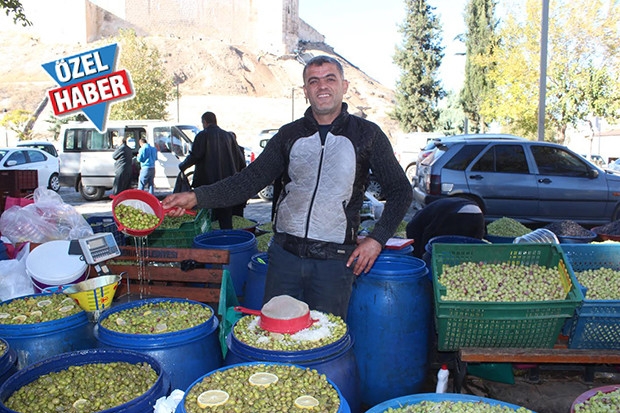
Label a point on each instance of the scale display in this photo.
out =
(99, 247)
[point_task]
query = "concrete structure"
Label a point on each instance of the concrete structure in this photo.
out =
(271, 26)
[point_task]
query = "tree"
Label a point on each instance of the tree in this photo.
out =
(17, 120)
(418, 90)
(583, 75)
(153, 87)
(56, 123)
(480, 45)
(15, 7)
(452, 118)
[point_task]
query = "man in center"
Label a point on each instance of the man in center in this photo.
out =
(323, 162)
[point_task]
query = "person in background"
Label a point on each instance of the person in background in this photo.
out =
(323, 162)
(445, 216)
(122, 156)
(147, 156)
(215, 155)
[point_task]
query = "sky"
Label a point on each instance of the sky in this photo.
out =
(366, 33)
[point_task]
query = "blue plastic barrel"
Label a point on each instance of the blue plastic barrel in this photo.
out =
(142, 404)
(390, 318)
(401, 402)
(8, 361)
(241, 245)
(344, 406)
(37, 341)
(336, 360)
(445, 239)
(184, 355)
(255, 283)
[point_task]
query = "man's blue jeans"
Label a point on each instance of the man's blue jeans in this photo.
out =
(325, 285)
(147, 180)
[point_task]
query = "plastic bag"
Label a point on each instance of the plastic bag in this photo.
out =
(47, 219)
(14, 280)
(169, 404)
(182, 183)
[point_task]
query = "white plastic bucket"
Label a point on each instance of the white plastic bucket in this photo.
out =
(50, 265)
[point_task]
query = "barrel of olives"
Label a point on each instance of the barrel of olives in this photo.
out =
(449, 400)
(390, 315)
(35, 341)
(336, 360)
(255, 283)
(144, 402)
(276, 391)
(8, 361)
(240, 244)
(184, 353)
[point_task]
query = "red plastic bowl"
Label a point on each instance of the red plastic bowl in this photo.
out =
(588, 394)
(605, 237)
(276, 325)
(140, 199)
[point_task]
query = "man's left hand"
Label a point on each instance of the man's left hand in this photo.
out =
(364, 255)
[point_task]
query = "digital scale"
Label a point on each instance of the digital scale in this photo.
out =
(98, 248)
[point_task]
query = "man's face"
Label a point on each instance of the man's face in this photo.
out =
(324, 87)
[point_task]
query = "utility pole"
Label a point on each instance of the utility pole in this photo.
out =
(542, 93)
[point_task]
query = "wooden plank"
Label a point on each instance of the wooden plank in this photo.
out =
(204, 295)
(554, 355)
(154, 273)
(210, 256)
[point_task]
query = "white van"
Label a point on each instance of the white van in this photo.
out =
(86, 162)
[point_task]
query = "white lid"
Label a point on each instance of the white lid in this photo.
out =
(50, 263)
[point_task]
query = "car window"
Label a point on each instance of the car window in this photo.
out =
(36, 156)
(461, 160)
(555, 161)
(18, 156)
(503, 158)
(2, 154)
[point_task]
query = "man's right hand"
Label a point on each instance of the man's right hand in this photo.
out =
(176, 204)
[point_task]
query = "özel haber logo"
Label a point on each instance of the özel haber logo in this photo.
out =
(88, 83)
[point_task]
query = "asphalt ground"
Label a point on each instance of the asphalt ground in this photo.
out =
(552, 390)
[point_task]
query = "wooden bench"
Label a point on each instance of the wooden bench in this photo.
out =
(171, 272)
(560, 354)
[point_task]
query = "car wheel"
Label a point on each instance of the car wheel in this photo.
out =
(91, 193)
(374, 187)
(266, 194)
(410, 172)
(54, 183)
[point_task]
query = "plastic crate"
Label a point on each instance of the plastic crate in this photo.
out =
(596, 324)
(529, 324)
(182, 237)
(19, 182)
(106, 223)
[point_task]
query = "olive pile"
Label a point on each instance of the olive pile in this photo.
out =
(568, 229)
(84, 389)
(327, 329)
(37, 309)
(262, 241)
(175, 222)
(602, 283)
(505, 282)
(135, 218)
(613, 228)
(507, 227)
(280, 395)
(456, 407)
(600, 403)
(157, 318)
(237, 223)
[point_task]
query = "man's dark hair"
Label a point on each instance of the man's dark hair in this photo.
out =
(320, 60)
(210, 118)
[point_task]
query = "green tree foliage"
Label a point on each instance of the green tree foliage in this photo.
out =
(583, 74)
(452, 118)
(418, 90)
(17, 121)
(153, 87)
(481, 43)
(15, 7)
(56, 122)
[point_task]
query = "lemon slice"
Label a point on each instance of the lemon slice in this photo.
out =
(44, 303)
(4, 315)
(262, 379)
(20, 318)
(212, 398)
(306, 402)
(147, 312)
(80, 404)
(36, 313)
(66, 308)
(67, 301)
(161, 327)
(120, 322)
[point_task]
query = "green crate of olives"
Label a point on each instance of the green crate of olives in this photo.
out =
(179, 233)
(502, 295)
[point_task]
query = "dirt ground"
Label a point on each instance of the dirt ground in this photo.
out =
(247, 91)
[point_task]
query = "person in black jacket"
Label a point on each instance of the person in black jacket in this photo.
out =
(445, 216)
(123, 168)
(215, 155)
(323, 161)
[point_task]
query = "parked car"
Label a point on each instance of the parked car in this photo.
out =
(614, 166)
(529, 181)
(43, 145)
(28, 159)
(596, 160)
